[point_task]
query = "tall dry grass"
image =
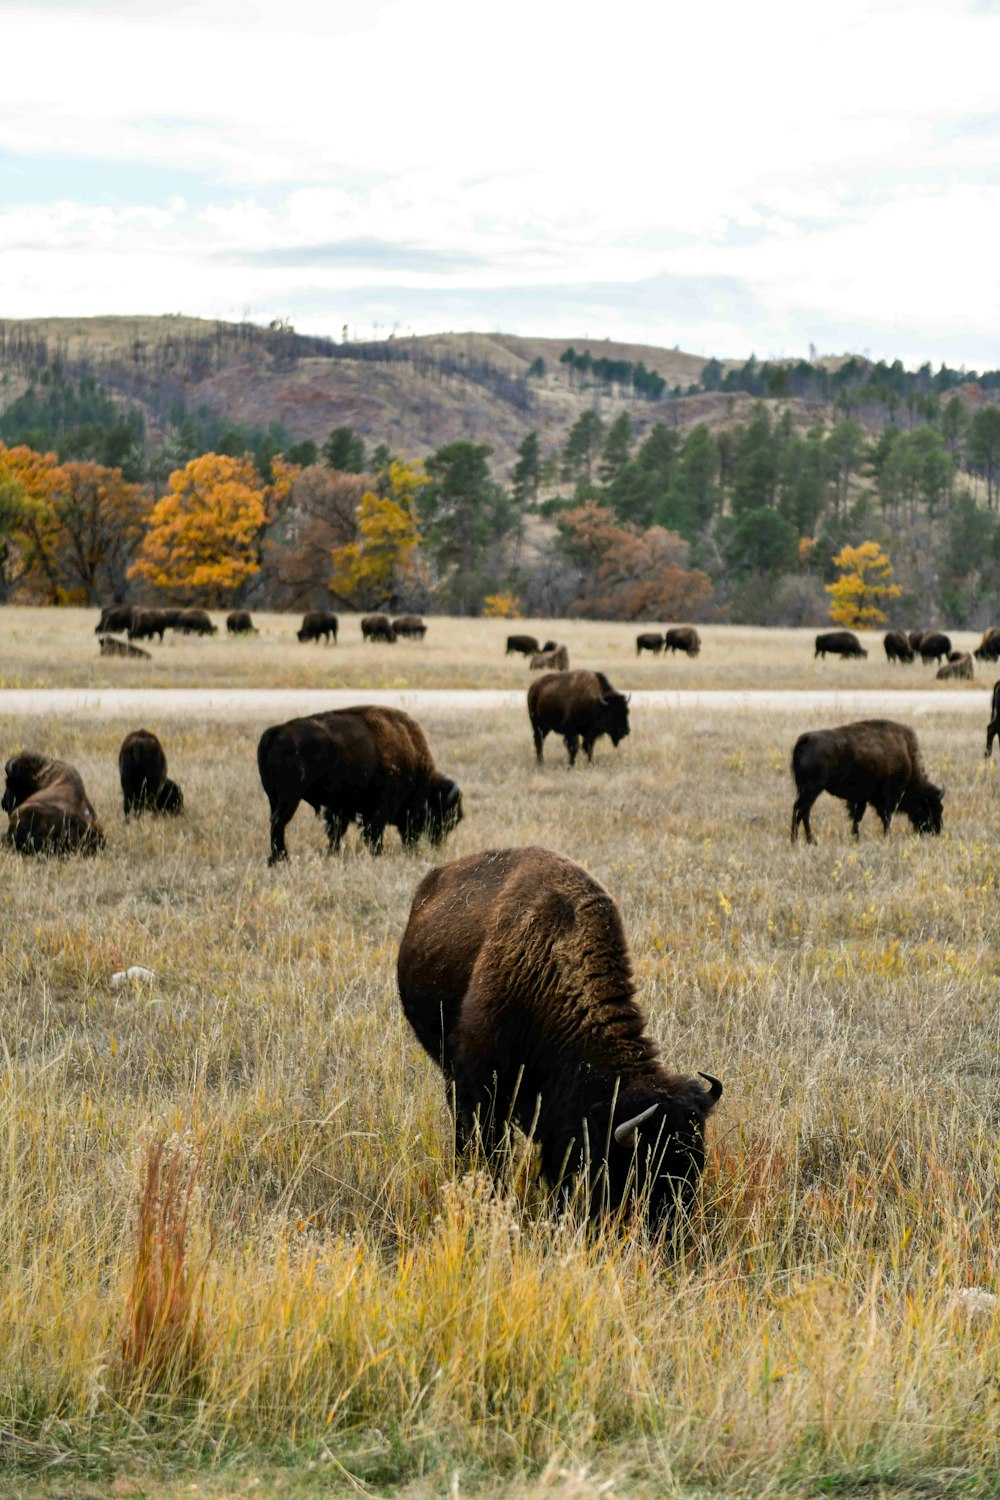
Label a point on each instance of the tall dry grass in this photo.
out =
(359, 1306)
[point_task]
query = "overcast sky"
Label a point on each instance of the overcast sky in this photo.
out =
(727, 177)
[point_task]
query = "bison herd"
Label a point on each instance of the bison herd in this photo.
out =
(140, 623)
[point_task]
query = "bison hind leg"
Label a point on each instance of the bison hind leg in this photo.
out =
(800, 814)
(588, 750)
(282, 814)
(336, 826)
(539, 738)
(857, 810)
(572, 747)
(373, 833)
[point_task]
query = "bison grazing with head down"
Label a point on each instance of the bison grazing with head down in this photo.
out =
(317, 623)
(897, 647)
(515, 974)
(581, 706)
(367, 765)
(410, 627)
(142, 769)
(873, 762)
(523, 645)
(240, 622)
(989, 647)
(649, 640)
(934, 646)
(114, 619)
(682, 638)
(48, 807)
(838, 643)
(377, 628)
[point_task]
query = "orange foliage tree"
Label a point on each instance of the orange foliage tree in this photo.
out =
(630, 574)
(25, 486)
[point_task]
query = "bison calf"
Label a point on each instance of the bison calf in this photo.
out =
(48, 809)
(874, 762)
(515, 974)
(581, 706)
(142, 769)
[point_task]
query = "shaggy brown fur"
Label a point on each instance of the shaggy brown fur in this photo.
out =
(48, 807)
(377, 628)
(897, 647)
(874, 762)
(934, 646)
(556, 658)
(958, 665)
(581, 706)
(316, 623)
(683, 638)
(989, 647)
(112, 646)
(142, 768)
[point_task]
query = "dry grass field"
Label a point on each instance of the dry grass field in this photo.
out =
(355, 1317)
(57, 648)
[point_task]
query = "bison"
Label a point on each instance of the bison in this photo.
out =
(873, 762)
(377, 628)
(958, 666)
(240, 622)
(581, 706)
(411, 627)
(989, 647)
(48, 807)
(915, 637)
(897, 647)
(149, 622)
(838, 643)
(114, 619)
(367, 765)
(142, 768)
(110, 645)
(515, 974)
(316, 623)
(934, 646)
(193, 622)
(993, 727)
(523, 645)
(553, 656)
(682, 638)
(649, 640)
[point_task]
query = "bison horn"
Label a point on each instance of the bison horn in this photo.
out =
(626, 1132)
(714, 1087)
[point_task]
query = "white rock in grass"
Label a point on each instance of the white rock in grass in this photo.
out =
(135, 975)
(975, 1302)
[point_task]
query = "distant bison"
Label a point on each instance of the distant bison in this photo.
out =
(934, 646)
(193, 622)
(114, 619)
(111, 646)
(318, 623)
(649, 640)
(523, 645)
(993, 727)
(411, 627)
(897, 647)
(555, 658)
(240, 622)
(142, 769)
(915, 637)
(377, 628)
(367, 765)
(581, 706)
(989, 647)
(48, 809)
(515, 974)
(149, 622)
(958, 666)
(838, 643)
(682, 638)
(873, 762)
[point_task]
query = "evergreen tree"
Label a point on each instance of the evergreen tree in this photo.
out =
(466, 514)
(582, 446)
(526, 475)
(617, 448)
(344, 449)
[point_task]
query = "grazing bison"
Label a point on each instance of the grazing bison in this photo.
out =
(149, 622)
(581, 706)
(48, 807)
(989, 647)
(114, 619)
(515, 974)
(650, 640)
(934, 646)
(142, 768)
(682, 638)
(316, 623)
(958, 666)
(240, 622)
(993, 727)
(367, 765)
(897, 647)
(838, 643)
(872, 762)
(193, 622)
(111, 646)
(412, 627)
(915, 637)
(523, 645)
(377, 628)
(556, 658)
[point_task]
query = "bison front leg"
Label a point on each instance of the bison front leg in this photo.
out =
(373, 833)
(572, 747)
(857, 813)
(588, 750)
(992, 731)
(539, 738)
(336, 826)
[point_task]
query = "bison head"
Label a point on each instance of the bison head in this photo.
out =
(24, 777)
(444, 809)
(614, 716)
(656, 1149)
(923, 805)
(170, 798)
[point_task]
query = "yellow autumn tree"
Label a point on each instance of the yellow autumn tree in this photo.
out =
(26, 522)
(502, 606)
(204, 534)
(385, 555)
(863, 586)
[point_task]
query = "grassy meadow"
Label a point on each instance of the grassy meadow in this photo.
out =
(314, 1299)
(57, 648)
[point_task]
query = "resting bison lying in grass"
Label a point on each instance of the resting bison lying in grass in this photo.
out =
(142, 769)
(838, 643)
(556, 658)
(515, 974)
(581, 706)
(682, 638)
(110, 645)
(48, 807)
(873, 762)
(958, 665)
(367, 765)
(897, 647)
(316, 623)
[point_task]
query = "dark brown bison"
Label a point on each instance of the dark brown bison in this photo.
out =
(934, 646)
(514, 972)
(377, 628)
(989, 647)
(650, 640)
(555, 658)
(367, 765)
(240, 622)
(114, 619)
(110, 645)
(411, 627)
(581, 706)
(317, 623)
(915, 637)
(993, 727)
(838, 643)
(48, 809)
(523, 645)
(957, 667)
(142, 768)
(682, 638)
(193, 622)
(897, 647)
(873, 762)
(149, 622)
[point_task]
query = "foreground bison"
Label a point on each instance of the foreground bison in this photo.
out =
(523, 645)
(682, 638)
(317, 623)
(515, 974)
(897, 647)
(958, 665)
(581, 706)
(240, 622)
(934, 646)
(872, 762)
(367, 765)
(838, 643)
(993, 727)
(48, 807)
(377, 628)
(411, 627)
(142, 769)
(649, 640)
(553, 657)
